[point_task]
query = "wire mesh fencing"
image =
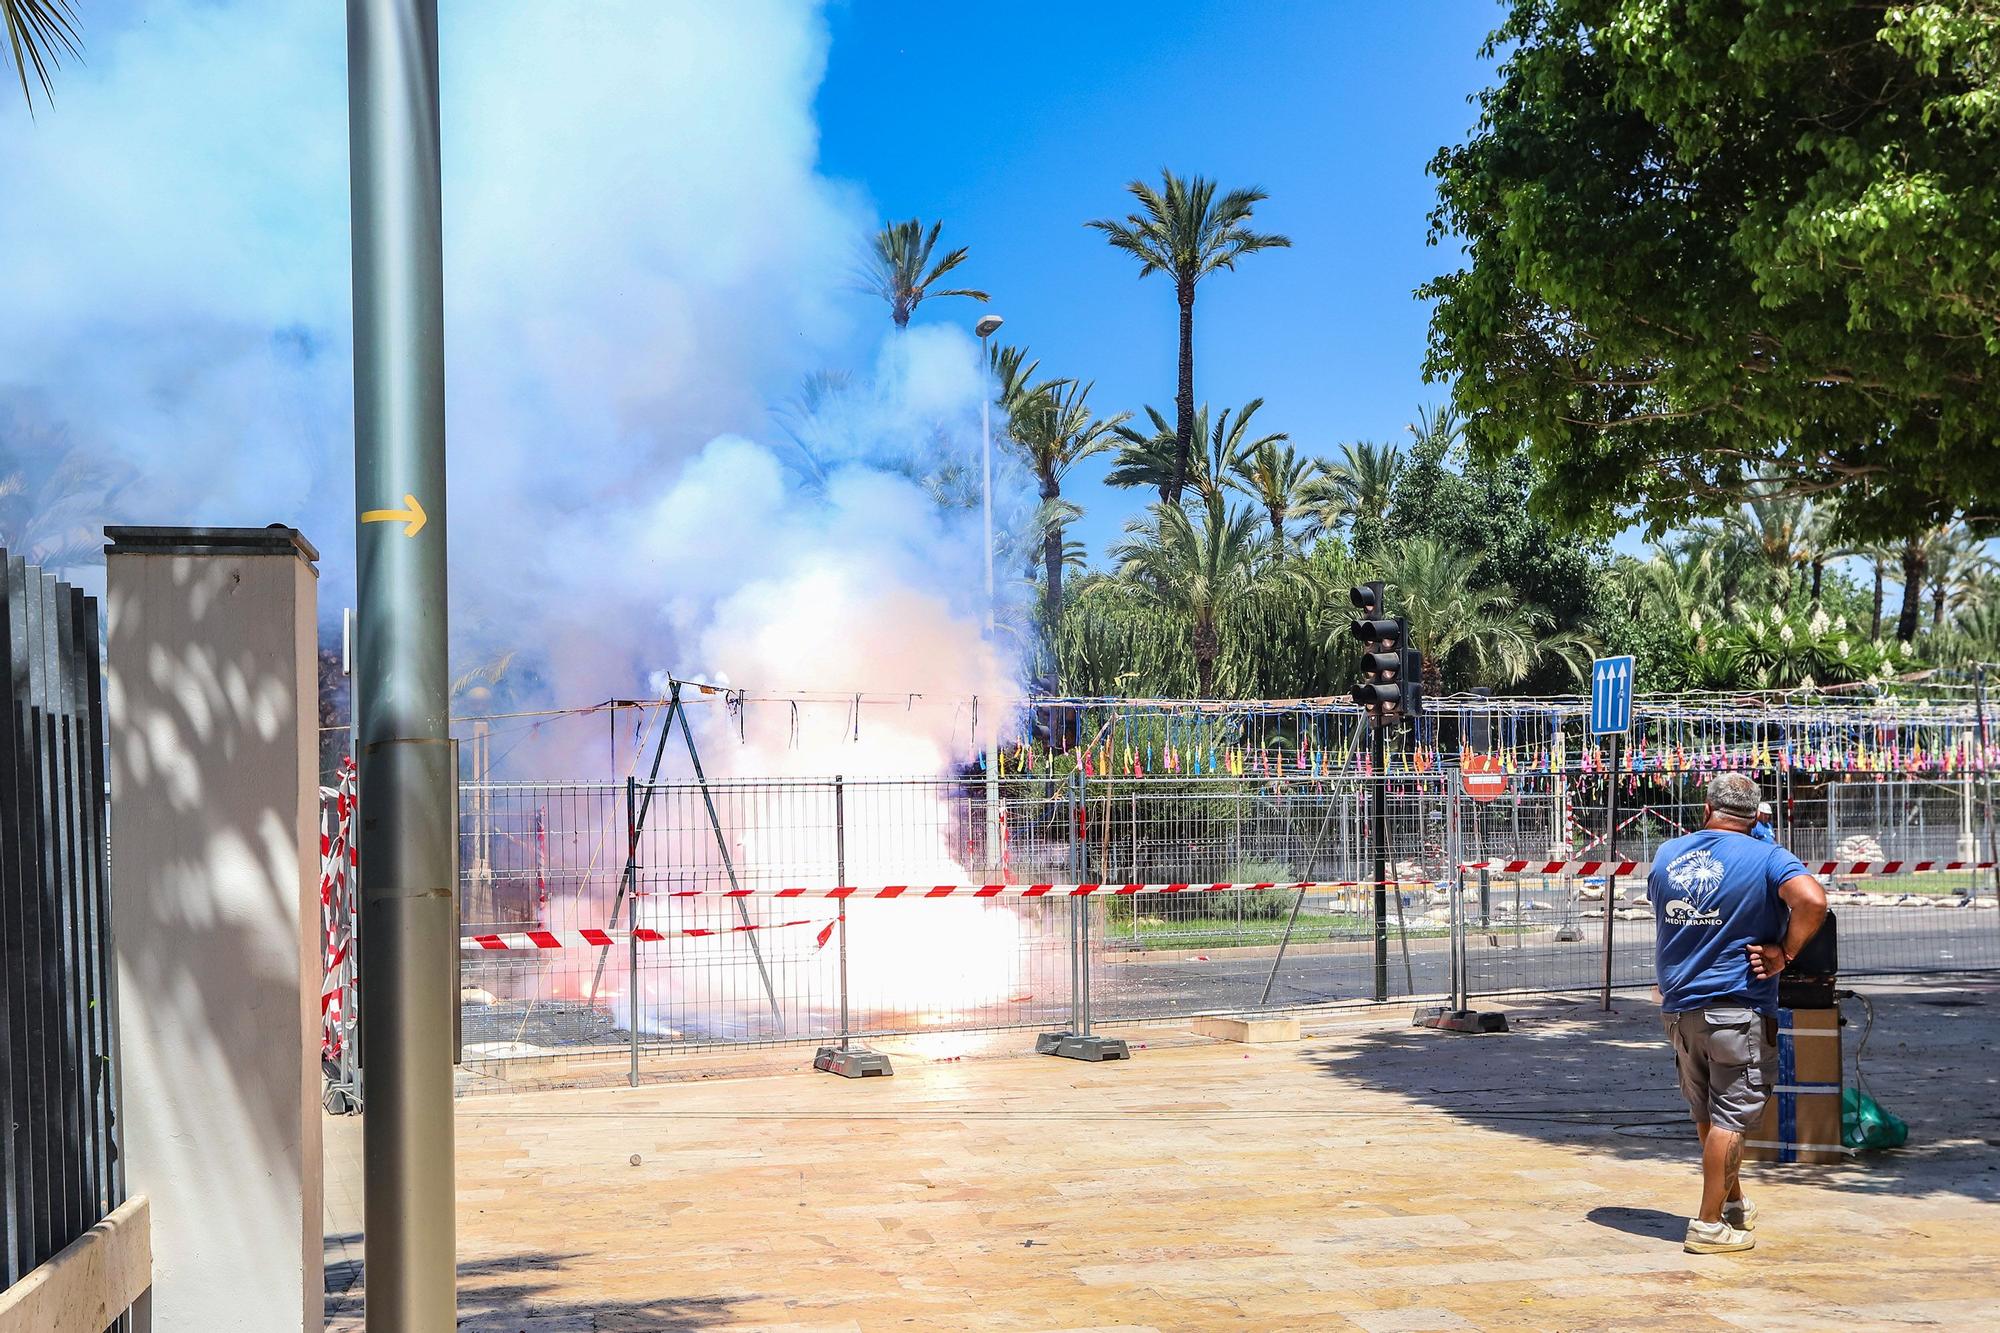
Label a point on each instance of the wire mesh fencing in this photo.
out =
(717, 918)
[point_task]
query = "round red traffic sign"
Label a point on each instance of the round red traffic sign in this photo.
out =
(1483, 776)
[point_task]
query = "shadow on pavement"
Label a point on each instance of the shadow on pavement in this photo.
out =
(1569, 1073)
(503, 1296)
(1650, 1223)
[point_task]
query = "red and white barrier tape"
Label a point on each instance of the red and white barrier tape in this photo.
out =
(1506, 867)
(602, 939)
(1847, 869)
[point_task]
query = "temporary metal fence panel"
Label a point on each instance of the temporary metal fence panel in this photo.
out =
(565, 952)
(60, 1167)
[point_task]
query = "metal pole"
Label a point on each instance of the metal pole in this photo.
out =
(986, 517)
(401, 671)
(1077, 807)
(1611, 854)
(632, 921)
(1985, 783)
(1455, 878)
(1379, 835)
(840, 876)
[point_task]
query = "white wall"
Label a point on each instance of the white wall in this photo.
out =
(212, 706)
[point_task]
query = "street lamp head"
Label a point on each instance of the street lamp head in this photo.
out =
(988, 325)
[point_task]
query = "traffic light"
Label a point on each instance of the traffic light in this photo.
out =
(1382, 655)
(1392, 672)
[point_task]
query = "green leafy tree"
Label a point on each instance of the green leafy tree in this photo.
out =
(1713, 242)
(1194, 569)
(900, 271)
(1184, 230)
(1470, 631)
(1484, 506)
(39, 34)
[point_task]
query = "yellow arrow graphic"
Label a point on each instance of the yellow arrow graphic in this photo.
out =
(412, 515)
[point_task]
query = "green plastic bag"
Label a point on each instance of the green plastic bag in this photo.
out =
(1864, 1124)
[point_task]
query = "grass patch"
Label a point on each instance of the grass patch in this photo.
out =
(1209, 932)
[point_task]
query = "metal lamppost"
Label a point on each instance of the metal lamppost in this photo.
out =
(408, 821)
(987, 326)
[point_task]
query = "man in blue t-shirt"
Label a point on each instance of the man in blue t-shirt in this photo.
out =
(1732, 912)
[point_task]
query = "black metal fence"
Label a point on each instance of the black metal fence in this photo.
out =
(60, 1172)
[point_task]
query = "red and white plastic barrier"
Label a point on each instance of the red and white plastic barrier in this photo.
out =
(337, 903)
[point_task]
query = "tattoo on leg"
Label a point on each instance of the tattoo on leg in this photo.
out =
(1733, 1158)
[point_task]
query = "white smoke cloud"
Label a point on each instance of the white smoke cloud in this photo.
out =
(641, 255)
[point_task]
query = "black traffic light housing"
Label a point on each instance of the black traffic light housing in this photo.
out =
(1391, 671)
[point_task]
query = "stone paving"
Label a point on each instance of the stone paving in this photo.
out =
(1369, 1176)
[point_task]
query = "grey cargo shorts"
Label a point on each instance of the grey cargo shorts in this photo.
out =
(1728, 1058)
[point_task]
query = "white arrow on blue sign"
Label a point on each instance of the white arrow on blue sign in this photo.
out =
(1610, 696)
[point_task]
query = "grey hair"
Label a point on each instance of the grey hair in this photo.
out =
(1734, 795)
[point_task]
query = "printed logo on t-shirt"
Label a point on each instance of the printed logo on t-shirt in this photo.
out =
(1695, 876)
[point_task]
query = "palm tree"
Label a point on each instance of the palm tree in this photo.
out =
(39, 34)
(1673, 588)
(1184, 231)
(1195, 570)
(1959, 570)
(1357, 490)
(899, 270)
(1013, 374)
(1773, 530)
(1824, 542)
(1225, 447)
(807, 420)
(57, 522)
(1880, 556)
(1450, 612)
(1055, 429)
(1275, 477)
(1915, 555)
(1150, 458)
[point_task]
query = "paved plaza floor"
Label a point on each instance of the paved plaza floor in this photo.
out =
(1369, 1176)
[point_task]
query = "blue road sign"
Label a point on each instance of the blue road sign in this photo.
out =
(1610, 696)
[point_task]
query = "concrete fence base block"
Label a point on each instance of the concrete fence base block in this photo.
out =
(1248, 1029)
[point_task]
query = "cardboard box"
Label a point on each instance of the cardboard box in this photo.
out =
(1802, 1116)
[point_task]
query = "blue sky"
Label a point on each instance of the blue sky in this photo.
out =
(1014, 124)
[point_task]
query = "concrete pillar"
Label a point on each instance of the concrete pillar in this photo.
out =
(212, 708)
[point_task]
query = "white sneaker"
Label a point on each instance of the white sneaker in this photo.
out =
(1716, 1238)
(1741, 1214)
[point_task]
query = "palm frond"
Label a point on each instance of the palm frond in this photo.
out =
(39, 34)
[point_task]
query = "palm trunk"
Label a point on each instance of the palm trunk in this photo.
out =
(1818, 577)
(1207, 647)
(1052, 570)
(1937, 605)
(1184, 394)
(1875, 626)
(1915, 560)
(1278, 529)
